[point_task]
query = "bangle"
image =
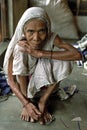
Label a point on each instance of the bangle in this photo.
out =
(51, 54)
(25, 104)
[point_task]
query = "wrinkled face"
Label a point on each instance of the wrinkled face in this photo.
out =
(35, 32)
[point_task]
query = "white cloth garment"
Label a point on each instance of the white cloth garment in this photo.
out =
(33, 12)
(44, 71)
(48, 71)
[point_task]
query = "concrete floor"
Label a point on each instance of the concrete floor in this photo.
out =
(64, 111)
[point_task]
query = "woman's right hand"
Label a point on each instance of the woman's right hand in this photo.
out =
(27, 48)
(33, 112)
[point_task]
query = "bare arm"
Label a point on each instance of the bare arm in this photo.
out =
(13, 84)
(69, 53)
(31, 109)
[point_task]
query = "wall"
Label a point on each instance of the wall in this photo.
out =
(82, 23)
(19, 6)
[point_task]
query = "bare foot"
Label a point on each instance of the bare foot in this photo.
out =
(24, 116)
(46, 117)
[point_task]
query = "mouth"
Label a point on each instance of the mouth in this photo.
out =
(36, 45)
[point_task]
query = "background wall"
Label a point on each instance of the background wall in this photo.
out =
(19, 6)
(79, 9)
(82, 23)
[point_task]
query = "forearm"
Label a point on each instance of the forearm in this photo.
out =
(14, 84)
(62, 55)
(23, 84)
(16, 89)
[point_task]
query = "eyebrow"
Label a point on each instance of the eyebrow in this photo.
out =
(44, 29)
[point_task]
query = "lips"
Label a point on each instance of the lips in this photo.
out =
(35, 45)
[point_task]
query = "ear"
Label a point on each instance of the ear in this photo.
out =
(23, 37)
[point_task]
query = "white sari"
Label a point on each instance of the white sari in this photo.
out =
(45, 71)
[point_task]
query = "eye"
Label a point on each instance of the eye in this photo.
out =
(42, 31)
(30, 31)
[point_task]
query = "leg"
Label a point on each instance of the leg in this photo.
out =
(23, 88)
(47, 75)
(43, 107)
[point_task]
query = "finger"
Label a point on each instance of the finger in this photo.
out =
(32, 120)
(27, 118)
(37, 111)
(23, 117)
(22, 43)
(35, 116)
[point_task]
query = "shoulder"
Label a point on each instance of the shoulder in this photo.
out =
(52, 36)
(58, 41)
(17, 49)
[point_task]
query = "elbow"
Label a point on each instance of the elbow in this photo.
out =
(78, 56)
(11, 80)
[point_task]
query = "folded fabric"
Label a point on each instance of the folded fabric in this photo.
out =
(71, 90)
(67, 92)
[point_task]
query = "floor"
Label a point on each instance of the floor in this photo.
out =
(64, 111)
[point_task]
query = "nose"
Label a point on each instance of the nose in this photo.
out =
(36, 36)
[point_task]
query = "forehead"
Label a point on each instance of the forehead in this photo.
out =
(35, 23)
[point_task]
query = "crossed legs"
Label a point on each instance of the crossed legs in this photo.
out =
(46, 117)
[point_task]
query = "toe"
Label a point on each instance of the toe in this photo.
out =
(32, 120)
(49, 118)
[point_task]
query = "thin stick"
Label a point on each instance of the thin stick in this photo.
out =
(64, 123)
(79, 128)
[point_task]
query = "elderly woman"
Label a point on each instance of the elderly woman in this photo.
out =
(41, 55)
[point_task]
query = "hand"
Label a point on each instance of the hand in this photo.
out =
(27, 48)
(33, 112)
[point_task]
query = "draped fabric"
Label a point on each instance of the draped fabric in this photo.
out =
(31, 13)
